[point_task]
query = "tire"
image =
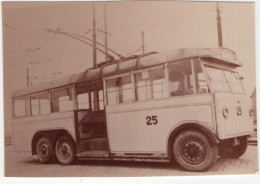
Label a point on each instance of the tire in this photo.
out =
(193, 151)
(65, 150)
(227, 150)
(44, 150)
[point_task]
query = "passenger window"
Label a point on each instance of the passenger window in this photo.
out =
(83, 101)
(119, 90)
(40, 104)
(180, 78)
(19, 107)
(61, 100)
(150, 85)
(101, 100)
(97, 96)
(83, 96)
(44, 103)
(35, 105)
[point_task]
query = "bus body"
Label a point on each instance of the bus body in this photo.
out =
(186, 104)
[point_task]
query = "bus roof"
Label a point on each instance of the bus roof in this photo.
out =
(150, 59)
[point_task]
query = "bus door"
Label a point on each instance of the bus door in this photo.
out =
(91, 131)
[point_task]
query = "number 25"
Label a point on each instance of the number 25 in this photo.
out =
(150, 120)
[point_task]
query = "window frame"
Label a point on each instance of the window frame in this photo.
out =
(91, 90)
(202, 64)
(147, 69)
(223, 69)
(191, 60)
(130, 73)
(59, 89)
(76, 95)
(25, 97)
(38, 94)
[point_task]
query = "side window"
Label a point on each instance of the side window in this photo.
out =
(158, 83)
(97, 101)
(61, 100)
(40, 104)
(150, 85)
(101, 100)
(200, 79)
(19, 107)
(83, 96)
(180, 78)
(44, 103)
(35, 105)
(119, 90)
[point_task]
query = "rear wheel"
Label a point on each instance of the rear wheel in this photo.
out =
(227, 150)
(44, 150)
(65, 150)
(193, 151)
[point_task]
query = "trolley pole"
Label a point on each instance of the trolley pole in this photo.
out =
(220, 44)
(105, 32)
(94, 38)
(143, 41)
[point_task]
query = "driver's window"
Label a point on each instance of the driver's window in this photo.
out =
(180, 78)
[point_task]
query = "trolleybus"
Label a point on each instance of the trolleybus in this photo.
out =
(186, 105)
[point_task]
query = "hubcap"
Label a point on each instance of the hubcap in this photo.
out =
(44, 150)
(193, 152)
(65, 150)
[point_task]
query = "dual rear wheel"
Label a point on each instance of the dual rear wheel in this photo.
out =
(64, 150)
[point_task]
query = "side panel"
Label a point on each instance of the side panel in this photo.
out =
(25, 128)
(237, 123)
(130, 130)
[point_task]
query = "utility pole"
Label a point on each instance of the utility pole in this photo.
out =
(220, 44)
(143, 41)
(105, 32)
(27, 77)
(94, 38)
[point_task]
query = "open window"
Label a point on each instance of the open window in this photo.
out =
(82, 91)
(61, 100)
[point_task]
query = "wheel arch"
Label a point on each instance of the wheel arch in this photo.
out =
(53, 135)
(187, 126)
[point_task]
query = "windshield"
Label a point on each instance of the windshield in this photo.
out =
(225, 81)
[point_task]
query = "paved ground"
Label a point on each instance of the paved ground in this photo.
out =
(24, 165)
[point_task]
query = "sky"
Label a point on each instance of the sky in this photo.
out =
(167, 25)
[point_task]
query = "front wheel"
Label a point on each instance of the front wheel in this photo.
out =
(193, 151)
(227, 150)
(65, 150)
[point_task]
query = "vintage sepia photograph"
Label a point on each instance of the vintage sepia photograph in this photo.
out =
(129, 88)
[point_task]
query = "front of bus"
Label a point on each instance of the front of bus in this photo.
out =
(234, 113)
